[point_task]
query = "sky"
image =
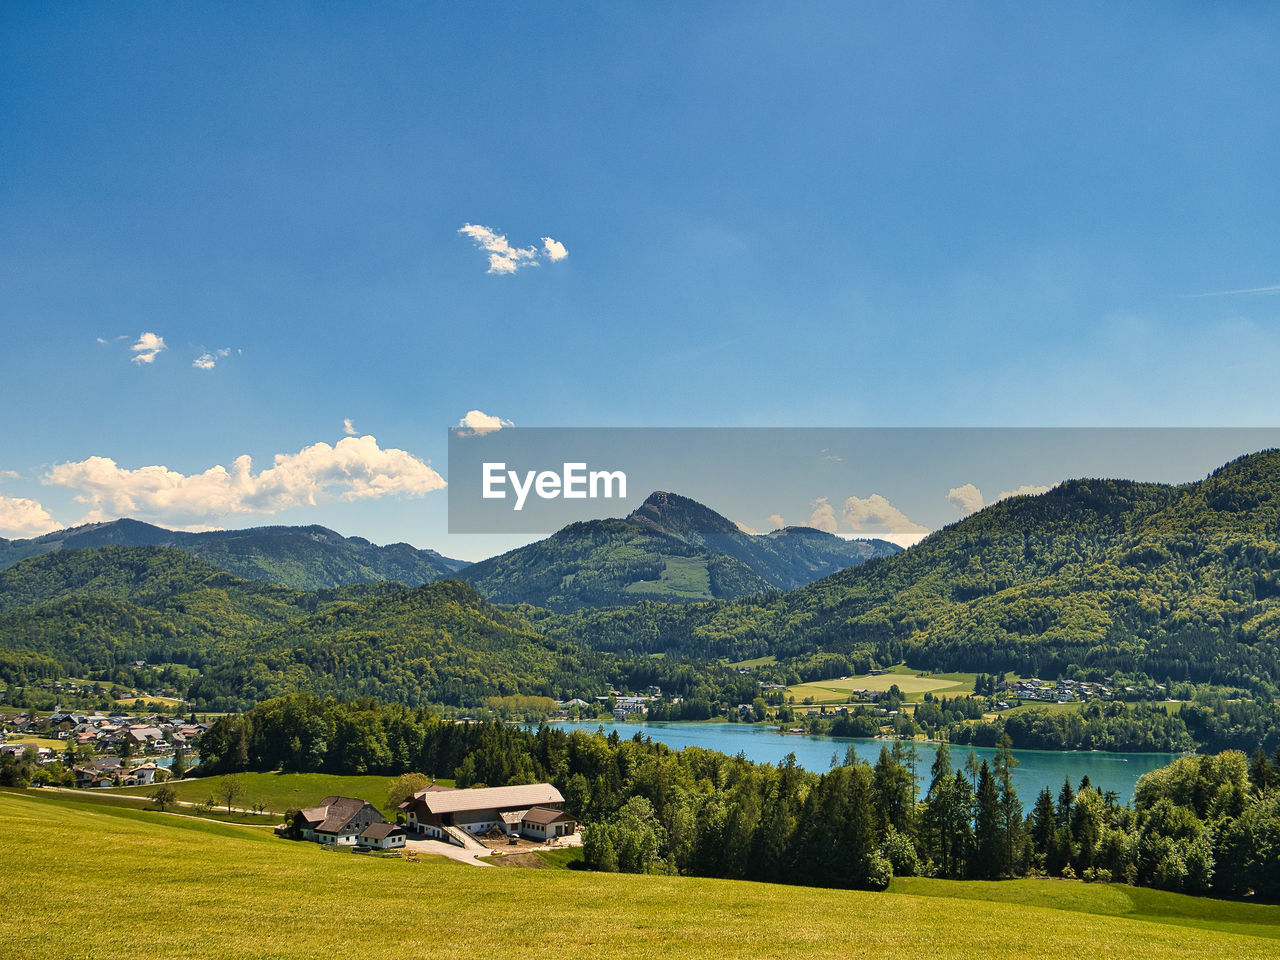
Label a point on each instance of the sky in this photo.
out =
(259, 258)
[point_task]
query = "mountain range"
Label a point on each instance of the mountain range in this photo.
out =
(1180, 582)
(1093, 577)
(671, 549)
(305, 558)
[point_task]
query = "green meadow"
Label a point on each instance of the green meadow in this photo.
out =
(912, 684)
(279, 792)
(226, 891)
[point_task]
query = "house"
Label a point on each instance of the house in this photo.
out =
(447, 814)
(547, 823)
(382, 836)
(338, 820)
(142, 775)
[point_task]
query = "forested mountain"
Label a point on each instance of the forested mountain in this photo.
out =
(82, 612)
(670, 549)
(1176, 581)
(306, 558)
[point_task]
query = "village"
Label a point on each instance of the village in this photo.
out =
(95, 749)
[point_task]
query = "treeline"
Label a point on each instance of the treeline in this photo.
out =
(1108, 725)
(1203, 824)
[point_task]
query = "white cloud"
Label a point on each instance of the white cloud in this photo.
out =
(477, 423)
(347, 427)
(503, 257)
(966, 499)
(9, 474)
(875, 514)
(1247, 291)
(209, 359)
(777, 521)
(743, 528)
(554, 249)
(823, 516)
(148, 345)
(1026, 490)
(355, 468)
(21, 518)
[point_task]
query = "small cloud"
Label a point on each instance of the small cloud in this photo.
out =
(21, 517)
(1248, 291)
(503, 257)
(875, 514)
(1026, 490)
(823, 516)
(477, 423)
(966, 499)
(743, 528)
(9, 474)
(347, 427)
(209, 359)
(831, 457)
(554, 249)
(777, 521)
(147, 347)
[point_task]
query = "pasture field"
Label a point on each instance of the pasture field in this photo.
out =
(239, 892)
(912, 685)
(683, 576)
(282, 791)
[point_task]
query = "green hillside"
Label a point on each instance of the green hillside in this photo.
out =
(670, 549)
(305, 558)
(1179, 582)
(82, 612)
(239, 892)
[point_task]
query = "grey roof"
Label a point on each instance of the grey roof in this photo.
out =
(488, 798)
(545, 815)
(380, 831)
(333, 813)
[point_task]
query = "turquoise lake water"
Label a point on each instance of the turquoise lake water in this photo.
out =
(1036, 768)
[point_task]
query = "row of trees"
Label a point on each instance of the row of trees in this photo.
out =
(1203, 824)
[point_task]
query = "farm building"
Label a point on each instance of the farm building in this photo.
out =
(532, 810)
(382, 836)
(339, 820)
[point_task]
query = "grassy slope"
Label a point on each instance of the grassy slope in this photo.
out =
(282, 791)
(237, 892)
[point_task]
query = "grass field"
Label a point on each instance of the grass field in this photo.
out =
(682, 576)
(909, 682)
(239, 892)
(131, 702)
(283, 791)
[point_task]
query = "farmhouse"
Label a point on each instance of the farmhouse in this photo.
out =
(339, 820)
(382, 836)
(532, 810)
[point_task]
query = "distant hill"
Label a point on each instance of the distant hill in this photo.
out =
(305, 558)
(70, 612)
(670, 549)
(1179, 582)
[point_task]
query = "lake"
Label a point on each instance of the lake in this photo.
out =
(1036, 768)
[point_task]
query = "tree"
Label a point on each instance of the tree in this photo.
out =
(988, 839)
(229, 790)
(179, 765)
(164, 796)
(405, 786)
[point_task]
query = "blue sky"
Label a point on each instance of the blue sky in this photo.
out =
(851, 214)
